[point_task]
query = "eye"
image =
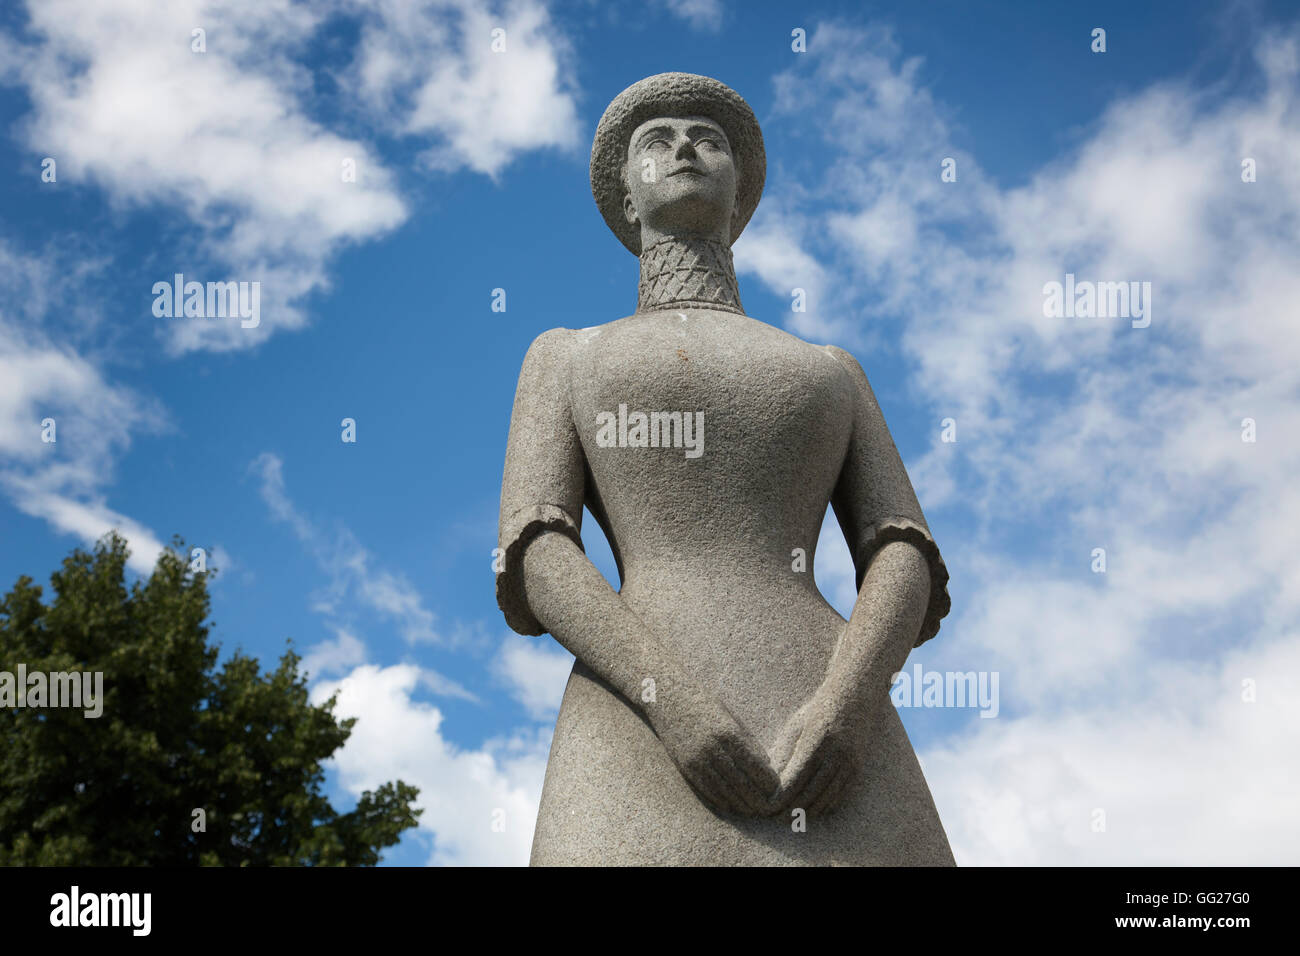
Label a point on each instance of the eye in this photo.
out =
(658, 141)
(709, 140)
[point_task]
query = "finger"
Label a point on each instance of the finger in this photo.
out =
(854, 777)
(752, 762)
(795, 777)
(817, 783)
(844, 787)
(762, 785)
(719, 791)
(744, 789)
(828, 799)
(702, 785)
(783, 749)
(791, 733)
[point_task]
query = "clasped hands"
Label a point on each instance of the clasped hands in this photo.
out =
(818, 754)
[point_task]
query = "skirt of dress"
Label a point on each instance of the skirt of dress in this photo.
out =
(613, 796)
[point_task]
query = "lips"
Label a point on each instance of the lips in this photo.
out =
(688, 169)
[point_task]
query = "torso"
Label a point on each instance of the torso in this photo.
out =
(706, 545)
(707, 549)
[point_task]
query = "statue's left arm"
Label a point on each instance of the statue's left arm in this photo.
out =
(902, 594)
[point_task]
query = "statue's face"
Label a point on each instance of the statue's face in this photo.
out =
(681, 178)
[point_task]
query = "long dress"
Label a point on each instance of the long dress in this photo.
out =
(707, 551)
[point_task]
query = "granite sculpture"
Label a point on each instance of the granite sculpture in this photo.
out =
(719, 711)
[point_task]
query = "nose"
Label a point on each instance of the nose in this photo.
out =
(686, 150)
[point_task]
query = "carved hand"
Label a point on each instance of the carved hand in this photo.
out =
(718, 756)
(819, 753)
(822, 748)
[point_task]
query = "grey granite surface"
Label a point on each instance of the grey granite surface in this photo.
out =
(720, 711)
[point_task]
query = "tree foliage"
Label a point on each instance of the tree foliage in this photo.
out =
(177, 735)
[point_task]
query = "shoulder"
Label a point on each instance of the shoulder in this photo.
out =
(550, 345)
(845, 359)
(549, 354)
(850, 365)
(853, 372)
(546, 365)
(562, 343)
(841, 359)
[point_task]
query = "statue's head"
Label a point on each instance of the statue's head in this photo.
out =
(677, 154)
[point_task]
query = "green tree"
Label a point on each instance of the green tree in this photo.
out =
(176, 736)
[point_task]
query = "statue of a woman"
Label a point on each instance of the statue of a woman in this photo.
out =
(719, 710)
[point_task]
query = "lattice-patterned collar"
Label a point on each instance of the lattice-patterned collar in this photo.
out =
(688, 273)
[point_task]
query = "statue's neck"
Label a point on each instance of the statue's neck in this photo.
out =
(688, 273)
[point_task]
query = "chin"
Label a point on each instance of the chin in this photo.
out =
(690, 213)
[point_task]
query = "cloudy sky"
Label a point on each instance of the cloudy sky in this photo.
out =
(1160, 697)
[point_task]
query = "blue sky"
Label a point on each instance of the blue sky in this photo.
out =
(1121, 692)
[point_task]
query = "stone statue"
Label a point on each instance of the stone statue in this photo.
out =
(719, 710)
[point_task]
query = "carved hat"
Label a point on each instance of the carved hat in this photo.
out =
(674, 94)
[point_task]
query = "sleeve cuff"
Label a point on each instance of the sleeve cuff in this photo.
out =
(905, 529)
(516, 533)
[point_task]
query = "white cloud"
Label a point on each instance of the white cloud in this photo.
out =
(224, 563)
(1119, 690)
(703, 15)
(429, 69)
(62, 482)
(354, 576)
(228, 138)
(443, 686)
(336, 656)
(1186, 773)
(121, 100)
(536, 670)
(463, 792)
(771, 249)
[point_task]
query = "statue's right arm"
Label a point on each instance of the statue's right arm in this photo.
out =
(548, 584)
(576, 605)
(574, 602)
